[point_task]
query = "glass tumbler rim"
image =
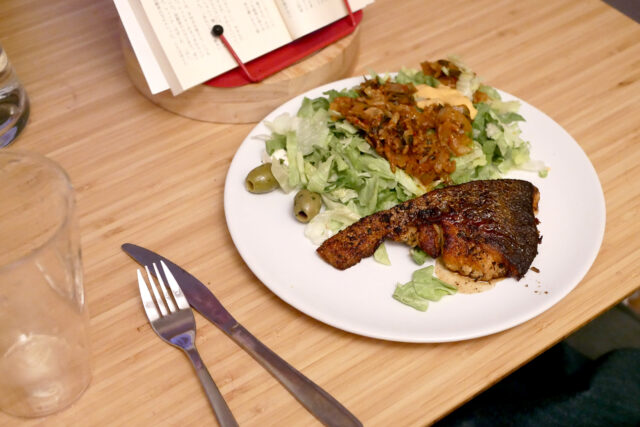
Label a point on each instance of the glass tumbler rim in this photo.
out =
(41, 159)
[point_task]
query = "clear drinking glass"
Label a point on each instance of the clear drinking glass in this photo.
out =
(44, 351)
(14, 102)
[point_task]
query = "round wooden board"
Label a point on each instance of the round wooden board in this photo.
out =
(250, 103)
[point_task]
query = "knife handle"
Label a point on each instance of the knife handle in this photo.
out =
(320, 403)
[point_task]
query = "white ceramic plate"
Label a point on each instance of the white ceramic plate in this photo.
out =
(358, 300)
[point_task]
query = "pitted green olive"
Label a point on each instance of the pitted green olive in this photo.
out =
(306, 205)
(261, 180)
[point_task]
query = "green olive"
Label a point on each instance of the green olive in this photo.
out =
(306, 205)
(261, 180)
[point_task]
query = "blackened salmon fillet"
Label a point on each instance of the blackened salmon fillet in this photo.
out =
(482, 229)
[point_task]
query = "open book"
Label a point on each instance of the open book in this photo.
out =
(175, 48)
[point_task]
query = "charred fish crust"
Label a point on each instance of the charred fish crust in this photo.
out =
(430, 214)
(483, 229)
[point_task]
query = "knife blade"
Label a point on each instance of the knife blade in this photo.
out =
(317, 401)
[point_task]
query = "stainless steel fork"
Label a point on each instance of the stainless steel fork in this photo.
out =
(177, 326)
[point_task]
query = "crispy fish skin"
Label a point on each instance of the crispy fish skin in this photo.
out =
(482, 229)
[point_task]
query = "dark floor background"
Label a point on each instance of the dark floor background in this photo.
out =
(590, 379)
(630, 8)
(616, 328)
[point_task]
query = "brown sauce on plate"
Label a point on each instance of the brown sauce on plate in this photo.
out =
(465, 285)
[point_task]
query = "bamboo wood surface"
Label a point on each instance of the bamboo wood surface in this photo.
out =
(154, 178)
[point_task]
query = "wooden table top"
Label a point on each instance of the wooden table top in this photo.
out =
(148, 176)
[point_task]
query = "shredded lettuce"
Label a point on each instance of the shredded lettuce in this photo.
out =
(468, 83)
(419, 256)
(468, 165)
(417, 77)
(328, 222)
(498, 146)
(422, 288)
(332, 94)
(280, 171)
(282, 124)
(381, 255)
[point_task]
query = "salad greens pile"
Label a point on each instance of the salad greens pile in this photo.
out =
(315, 151)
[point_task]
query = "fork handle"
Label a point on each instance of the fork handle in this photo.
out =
(320, 403)
(221, 410)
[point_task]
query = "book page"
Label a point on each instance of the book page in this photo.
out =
(305, 16)
(192, 55)
(140, 44)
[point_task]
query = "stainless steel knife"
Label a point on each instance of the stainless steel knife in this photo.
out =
(320, 403)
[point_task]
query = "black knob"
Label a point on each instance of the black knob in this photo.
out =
(217, 30)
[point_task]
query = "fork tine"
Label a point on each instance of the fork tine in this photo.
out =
(181, 300)
(147, 301)
(161, 306)
(167, 296)
(159, 300)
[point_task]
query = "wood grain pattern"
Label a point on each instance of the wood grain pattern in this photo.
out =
(151, 177)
